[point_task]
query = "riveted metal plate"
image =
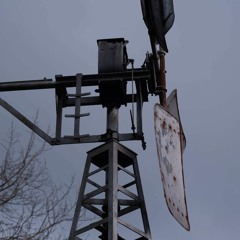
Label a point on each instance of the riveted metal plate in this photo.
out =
(169, 141)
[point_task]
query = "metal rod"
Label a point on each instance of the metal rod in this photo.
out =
(133, 112)
(27, 85)
(162, 96)
(70, 81)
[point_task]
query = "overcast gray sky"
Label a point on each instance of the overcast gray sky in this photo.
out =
(43, 38)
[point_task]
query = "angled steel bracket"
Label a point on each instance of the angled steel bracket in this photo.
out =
(26, 121)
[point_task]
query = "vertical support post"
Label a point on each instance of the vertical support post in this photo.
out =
(112, 119)
(59, 103)
(77, 104)
(60, 94)
(112, 194)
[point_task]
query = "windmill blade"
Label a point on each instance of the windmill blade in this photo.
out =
(169, 142)
(172, 108)
(153, 20)
(168, 14)
(158, 16)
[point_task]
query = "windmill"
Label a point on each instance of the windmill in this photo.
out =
(111, 201)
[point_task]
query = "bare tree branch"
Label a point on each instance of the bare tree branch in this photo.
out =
(31, 205)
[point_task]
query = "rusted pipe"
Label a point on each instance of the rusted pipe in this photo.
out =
(162, 96)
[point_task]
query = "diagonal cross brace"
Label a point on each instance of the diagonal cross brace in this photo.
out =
(27, 122)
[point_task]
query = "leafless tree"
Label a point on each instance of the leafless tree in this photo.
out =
(31, 205)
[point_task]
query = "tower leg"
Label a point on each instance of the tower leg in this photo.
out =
(115, 201)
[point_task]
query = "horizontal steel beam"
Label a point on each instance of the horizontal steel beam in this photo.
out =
(70, 81)
(95, 138)
(86, 101)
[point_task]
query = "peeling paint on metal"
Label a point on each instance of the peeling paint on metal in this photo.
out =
(169, 139)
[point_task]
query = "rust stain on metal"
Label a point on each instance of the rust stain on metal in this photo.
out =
(164, 124)
(169, 137)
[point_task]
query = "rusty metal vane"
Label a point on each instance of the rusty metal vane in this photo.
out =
(171, 143)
